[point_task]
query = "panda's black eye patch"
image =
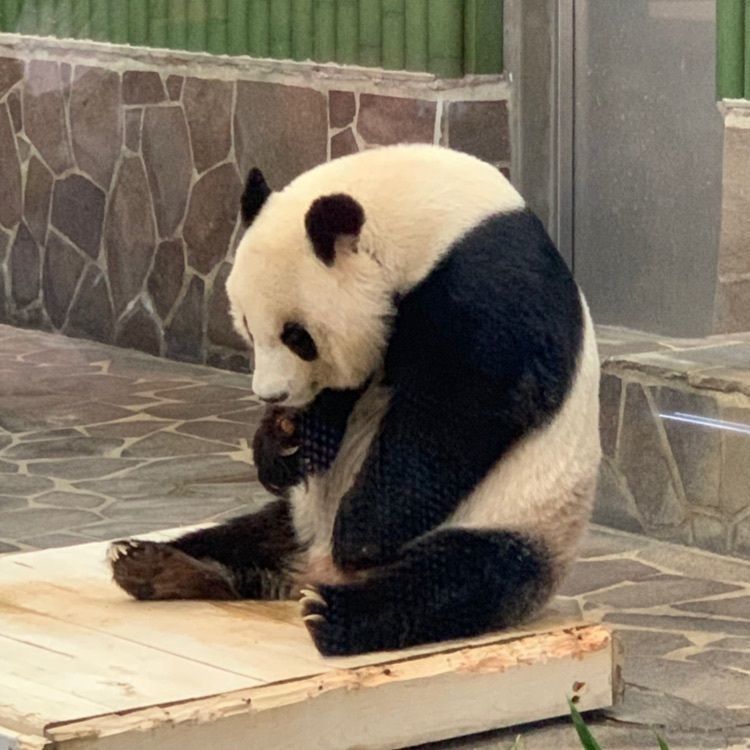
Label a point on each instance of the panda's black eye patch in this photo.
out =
(296, 337)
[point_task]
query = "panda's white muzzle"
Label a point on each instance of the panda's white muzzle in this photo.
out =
(280, 377)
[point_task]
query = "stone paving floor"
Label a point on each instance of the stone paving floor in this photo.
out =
(98, 442)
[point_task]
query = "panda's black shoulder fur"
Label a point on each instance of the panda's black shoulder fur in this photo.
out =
(499, 315)
(483, 351)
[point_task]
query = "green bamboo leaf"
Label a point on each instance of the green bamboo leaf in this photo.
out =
(662, 745)
(587, 739)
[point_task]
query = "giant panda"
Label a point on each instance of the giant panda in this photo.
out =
(431, 434)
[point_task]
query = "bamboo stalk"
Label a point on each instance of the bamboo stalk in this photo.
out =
(118, 22)
(394, 34)
(46, 18)
(747, 49)
(324, 30)
(237, 27)
(415, 30)
(445, 38)
(216, 27)
(64, 19)
(158, 23)
(197, 17)
(138, 22)
(99, 20)
(302, 29)
(347, 32)
(370, 32)
(12, 12)
(730, 52)
(177, 30)
(81, 13)
(260, 17)
(28, 20)
(483, 36)
(280, 23)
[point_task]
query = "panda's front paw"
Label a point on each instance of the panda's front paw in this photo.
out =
(157, 570)
(349, 619)
(326, 626)
(276, 450)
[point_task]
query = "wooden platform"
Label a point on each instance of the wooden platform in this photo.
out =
(84, 667)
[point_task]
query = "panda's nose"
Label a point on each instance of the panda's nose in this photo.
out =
(276, 398)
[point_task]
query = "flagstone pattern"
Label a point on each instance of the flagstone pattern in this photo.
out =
(120, 192)
(98, 442)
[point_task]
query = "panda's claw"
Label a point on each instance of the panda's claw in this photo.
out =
(121, 548)
(313, 618)
(310, 594)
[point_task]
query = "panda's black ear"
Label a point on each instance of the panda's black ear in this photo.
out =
(255, 195)
(331, 218)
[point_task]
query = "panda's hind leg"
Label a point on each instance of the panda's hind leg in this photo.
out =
(249, 557)
(453, 583)
(156, 570)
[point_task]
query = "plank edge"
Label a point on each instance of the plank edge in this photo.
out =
(11, 740)
(562, 647)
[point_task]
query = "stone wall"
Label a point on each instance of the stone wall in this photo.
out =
(122, 170)
(675, 419)
(732, 311)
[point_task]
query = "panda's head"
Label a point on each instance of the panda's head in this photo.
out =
(306, 293)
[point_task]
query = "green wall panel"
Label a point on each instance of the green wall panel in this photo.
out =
(137, 22)
(394, 33)
(177, 24)
(347, 32)
(118, 21)
(158, 23)
(64, 19)
(237, 27)
(11, 14)
(302, 30)
(99, 20)
(216, 31)
(28, 20)
(280, 25)
(324, 30)
(447, 37)
(197, 25)
(260, 18)
(483, 36)
(730, 40)
(415, 29)
(47, 19)
(370, 32)
(80, 19)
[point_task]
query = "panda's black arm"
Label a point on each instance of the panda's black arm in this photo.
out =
(433, 448)
(322, 426)
(290, 444)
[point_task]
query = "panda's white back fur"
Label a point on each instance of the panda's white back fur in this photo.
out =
(545, 484)
(418, 200)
